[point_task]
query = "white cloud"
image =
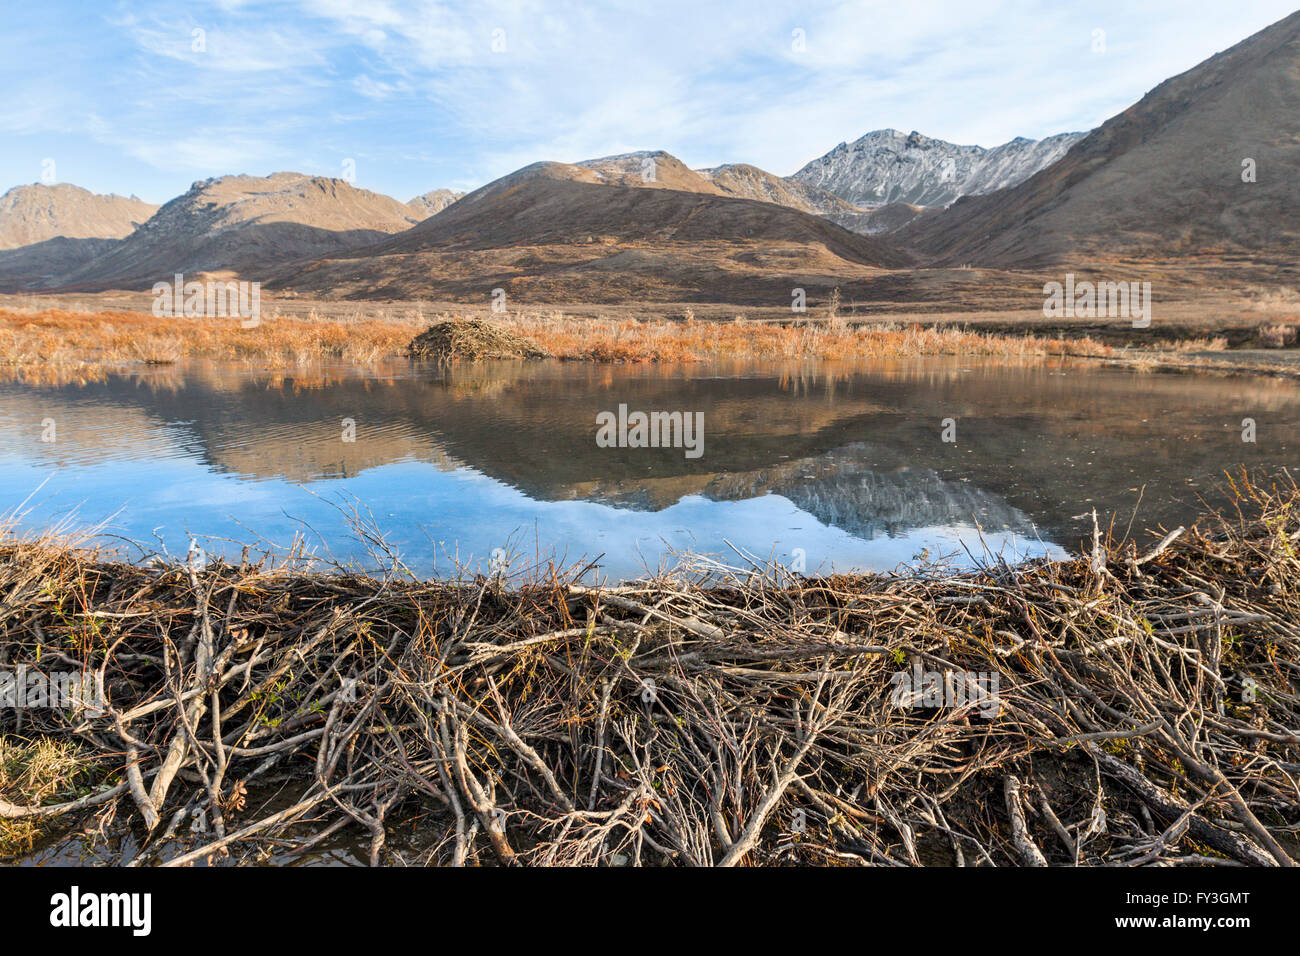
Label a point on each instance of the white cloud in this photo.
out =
(204, 152)
(377, 89)
(391, 79)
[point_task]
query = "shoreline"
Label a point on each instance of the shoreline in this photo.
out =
(54, 341)
(1122, 707)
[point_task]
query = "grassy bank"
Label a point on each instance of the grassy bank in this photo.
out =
(1144, 708)
(34, 343)
(56, 338)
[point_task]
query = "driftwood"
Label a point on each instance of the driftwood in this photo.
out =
(1145, 711)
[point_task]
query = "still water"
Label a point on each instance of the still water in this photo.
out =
(818, 467)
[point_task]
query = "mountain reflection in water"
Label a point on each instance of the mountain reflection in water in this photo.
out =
(842, 467)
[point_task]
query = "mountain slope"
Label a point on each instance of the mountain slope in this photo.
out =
(562, 232)
(1161, 179)
(35, 213)
(889, 218)
(549, 202)
(656, 169)
(39, 266)
(245, 224)
(647, 169)
(433, 202)
(887, 166)
(749, 182)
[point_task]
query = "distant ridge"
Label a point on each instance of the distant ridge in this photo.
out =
(600, 231)
(749, 182)
(433, 202)
(35, 213)
(245, 225)
(887, 166)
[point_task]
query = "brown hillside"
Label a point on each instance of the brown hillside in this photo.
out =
(35, 213)
(555, 232)
(246, 224)
(1162, 179)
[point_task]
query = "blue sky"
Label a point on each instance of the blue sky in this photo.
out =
(417, 94)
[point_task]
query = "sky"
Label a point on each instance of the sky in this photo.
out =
(405, 96)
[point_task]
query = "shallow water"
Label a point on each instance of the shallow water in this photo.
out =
(818, 467)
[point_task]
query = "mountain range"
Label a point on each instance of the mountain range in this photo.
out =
(1204, 165)
(886, 166)
(250, 226)
(599, 232)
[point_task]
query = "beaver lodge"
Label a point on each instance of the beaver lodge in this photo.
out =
(1131, 706)
(471, 339)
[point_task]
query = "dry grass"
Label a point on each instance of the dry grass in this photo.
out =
(36, 773)
(58, 337)
(88, 341)
(630, 340)
(1278, 336)
(1216, 344)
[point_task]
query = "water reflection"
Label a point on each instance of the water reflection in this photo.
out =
(843, 466)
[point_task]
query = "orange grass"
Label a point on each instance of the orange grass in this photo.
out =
(629, 340)
(89, 342)
(58, 337)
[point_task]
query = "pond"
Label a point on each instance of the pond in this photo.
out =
(484, 466)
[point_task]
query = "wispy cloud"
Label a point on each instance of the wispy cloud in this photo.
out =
(210, 151)
(157, 95)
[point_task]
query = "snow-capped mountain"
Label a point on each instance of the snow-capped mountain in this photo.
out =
(888, 166)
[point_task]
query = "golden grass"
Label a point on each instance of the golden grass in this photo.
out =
(33, 773)
(629, 340)
(1216, 343)
(61, 337)
(88, 342)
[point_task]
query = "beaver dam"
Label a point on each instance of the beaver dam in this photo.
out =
(1131, 706)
